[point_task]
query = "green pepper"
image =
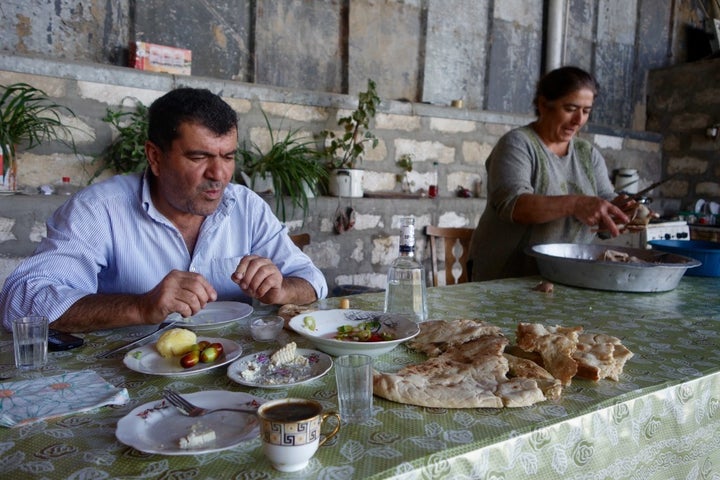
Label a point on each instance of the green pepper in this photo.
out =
(309, 322)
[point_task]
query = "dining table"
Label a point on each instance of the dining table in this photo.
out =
(660, 420)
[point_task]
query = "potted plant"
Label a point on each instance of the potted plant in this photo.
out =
(290, 164)
(405, 162)
(126, 154)
(344, 151)
(28, 118)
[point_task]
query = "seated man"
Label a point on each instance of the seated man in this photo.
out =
(135, 248)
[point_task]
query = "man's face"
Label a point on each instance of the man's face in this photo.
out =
(192, 175)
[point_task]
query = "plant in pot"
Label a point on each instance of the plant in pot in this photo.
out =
(126, 153)
(290, 163)
(28, 118)
(344, 151)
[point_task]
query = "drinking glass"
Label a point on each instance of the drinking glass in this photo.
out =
(30, 340)
(353, 374)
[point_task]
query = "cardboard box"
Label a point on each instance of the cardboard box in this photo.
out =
(160, 58)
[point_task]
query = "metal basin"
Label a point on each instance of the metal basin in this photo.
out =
(578, 265)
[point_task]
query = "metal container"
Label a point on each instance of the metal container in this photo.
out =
(578, 265)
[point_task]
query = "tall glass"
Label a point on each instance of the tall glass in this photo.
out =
(30, 340)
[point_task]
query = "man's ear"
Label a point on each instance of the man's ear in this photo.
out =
(153, 155)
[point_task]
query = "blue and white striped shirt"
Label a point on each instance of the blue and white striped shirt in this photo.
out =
(109, 238)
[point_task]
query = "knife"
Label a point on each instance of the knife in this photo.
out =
(163, 326)
(642, 192)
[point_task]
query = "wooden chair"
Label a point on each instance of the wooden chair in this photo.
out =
(301, 239)
(456, 251)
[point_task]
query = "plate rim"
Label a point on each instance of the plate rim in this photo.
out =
(190, 371)
(193, 396)
(301, 351)
(182, 321)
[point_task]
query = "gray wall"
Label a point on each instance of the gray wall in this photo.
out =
(458, 139)
(685, 103)
(487, 52)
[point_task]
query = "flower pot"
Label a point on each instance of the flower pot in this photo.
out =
(346, 182)
(259, 183)
(8, 174)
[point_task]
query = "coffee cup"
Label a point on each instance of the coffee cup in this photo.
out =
(290, 430)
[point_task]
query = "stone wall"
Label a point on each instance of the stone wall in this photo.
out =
(488, 53)
(458, 139)
(686, 103)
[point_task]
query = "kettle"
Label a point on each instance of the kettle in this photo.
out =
(626, 180)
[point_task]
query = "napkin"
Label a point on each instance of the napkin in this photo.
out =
(29, 401)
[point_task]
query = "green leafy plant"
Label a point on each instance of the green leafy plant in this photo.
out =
(293, 163)
(405, 162)
(346, 149)
(28, 118)
(126, 154)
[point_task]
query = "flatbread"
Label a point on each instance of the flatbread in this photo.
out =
(468, 370)
(441, 382)
(600, 356)
(555, 345)
(472, 365)
(438, 336)
(526, 368)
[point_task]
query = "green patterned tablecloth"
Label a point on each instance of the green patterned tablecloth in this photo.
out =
(660, 421)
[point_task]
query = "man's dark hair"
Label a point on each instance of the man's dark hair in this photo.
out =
(192, 105)
(562, 81)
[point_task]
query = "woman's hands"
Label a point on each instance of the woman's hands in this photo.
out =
(597, 212)
(592, 211)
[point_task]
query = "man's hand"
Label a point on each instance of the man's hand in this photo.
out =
(183, 292)
(260, 278)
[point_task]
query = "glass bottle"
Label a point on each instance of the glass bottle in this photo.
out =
(433, 189)
(66, 188)
(406, 291)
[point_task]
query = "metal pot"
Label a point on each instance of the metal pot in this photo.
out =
(578, 265)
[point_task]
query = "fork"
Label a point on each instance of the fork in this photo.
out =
(191, 410)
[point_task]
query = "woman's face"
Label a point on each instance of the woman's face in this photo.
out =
(564, 117)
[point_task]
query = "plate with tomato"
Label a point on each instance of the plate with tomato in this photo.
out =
(210, 353)
(348, 331)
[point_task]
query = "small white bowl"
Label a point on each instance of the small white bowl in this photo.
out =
(266, 329)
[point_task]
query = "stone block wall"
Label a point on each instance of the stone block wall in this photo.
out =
(458, 139)
(686, 104)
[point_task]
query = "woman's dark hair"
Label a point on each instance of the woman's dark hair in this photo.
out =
(192, 105)
(562, 81)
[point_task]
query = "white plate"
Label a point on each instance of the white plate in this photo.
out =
(156, 427)
(146, 359)
(319, 365)
(214, 315)
(327, 322)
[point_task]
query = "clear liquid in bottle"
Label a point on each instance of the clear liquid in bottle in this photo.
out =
(406, 290)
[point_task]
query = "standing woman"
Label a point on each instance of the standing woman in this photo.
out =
(544, 184)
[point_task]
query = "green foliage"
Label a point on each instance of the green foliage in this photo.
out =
(346, 150)
(126, 154)
(405, 161)
(28, 118)
(293, 163)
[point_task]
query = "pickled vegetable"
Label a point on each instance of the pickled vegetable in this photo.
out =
(363, 332)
